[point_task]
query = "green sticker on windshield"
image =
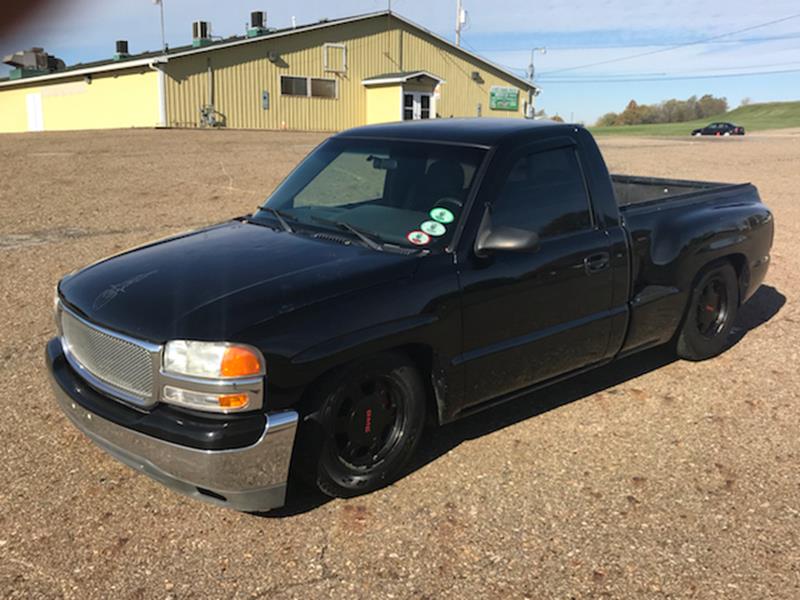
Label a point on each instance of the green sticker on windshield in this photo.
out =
(433, 228)
(442, 215)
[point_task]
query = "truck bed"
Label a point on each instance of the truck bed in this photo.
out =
(632, 190)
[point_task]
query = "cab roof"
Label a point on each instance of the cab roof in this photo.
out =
(472, 131)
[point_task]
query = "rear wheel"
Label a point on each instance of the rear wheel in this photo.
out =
(364, 426)
(712, 310)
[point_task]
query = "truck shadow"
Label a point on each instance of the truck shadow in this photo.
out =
(762, 307)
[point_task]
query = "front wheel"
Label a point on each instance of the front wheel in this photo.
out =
(712, 310)
(363, 427)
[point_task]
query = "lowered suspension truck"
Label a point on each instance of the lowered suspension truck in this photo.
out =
(402, 276)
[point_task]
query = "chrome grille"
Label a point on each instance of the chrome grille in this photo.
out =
(122, 367)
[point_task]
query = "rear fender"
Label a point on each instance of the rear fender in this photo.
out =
(671, 246)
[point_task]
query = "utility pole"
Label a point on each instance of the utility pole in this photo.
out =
(531, 70)
(459, 21)
(531, 75)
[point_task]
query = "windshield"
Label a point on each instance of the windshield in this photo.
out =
(404, 193)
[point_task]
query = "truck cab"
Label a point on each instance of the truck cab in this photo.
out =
(402, 276)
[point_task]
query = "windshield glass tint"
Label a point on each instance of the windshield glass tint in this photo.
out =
(404, 193)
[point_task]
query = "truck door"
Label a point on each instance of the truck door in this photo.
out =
(529, 317)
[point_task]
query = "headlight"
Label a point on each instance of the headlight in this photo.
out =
(56, 305)
(212, 360)
(212, 376)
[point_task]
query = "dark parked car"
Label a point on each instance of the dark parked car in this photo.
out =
(402, 275)
(720, 129)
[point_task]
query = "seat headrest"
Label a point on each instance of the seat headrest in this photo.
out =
(446, 174)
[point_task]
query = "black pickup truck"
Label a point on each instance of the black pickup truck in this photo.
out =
(402, 275)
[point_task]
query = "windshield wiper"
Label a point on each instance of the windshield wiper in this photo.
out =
(279, 215)
(368, 241)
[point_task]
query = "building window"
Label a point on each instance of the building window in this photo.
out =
(310, 87)
(425, 106)
(334, 58)
(408, 107)
(294, 86)
(323, 88)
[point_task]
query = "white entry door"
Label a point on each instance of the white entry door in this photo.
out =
(418, 105)
(35, 115)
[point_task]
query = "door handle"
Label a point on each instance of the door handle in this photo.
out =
(597, 262)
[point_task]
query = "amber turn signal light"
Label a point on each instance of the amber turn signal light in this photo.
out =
(233, 401)
(239, 362)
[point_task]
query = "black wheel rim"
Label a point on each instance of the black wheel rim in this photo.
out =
(712, 308)
(369, 416)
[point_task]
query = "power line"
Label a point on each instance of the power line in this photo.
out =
(676, 46)
(653, 77)
(494, 62)
(548, 77)
(753, 40)
(670, 78)
(713, 70)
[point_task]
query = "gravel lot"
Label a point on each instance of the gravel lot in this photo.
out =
(654, 478)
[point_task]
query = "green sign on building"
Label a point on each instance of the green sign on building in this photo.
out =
(503, 98)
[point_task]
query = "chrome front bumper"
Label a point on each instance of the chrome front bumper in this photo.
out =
(249, 479)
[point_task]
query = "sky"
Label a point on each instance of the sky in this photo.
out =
(600, 54)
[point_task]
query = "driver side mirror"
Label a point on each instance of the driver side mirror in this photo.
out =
(494, 238)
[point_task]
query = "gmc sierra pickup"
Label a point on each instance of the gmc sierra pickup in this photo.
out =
(402, 275)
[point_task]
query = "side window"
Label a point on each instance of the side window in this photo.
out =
(544, 192)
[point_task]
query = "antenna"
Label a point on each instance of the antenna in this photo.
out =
(160, 4)
(461, 20)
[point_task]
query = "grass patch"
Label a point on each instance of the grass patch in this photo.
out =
(754, 117)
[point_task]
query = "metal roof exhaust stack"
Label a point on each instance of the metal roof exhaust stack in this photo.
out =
(258, 24)
(33, 62)
(122, 50)
(201, 34)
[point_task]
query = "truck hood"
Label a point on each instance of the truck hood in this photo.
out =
(217, 282)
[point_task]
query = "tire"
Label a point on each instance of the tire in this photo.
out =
(363, 426)
(710, 314)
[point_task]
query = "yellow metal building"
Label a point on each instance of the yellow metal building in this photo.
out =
(326, 76)
(85, 99)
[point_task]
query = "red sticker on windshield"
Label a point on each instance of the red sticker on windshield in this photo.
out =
(418, 238)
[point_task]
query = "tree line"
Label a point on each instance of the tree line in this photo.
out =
(668, 111)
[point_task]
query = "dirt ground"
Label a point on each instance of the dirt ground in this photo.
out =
(654, 478)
